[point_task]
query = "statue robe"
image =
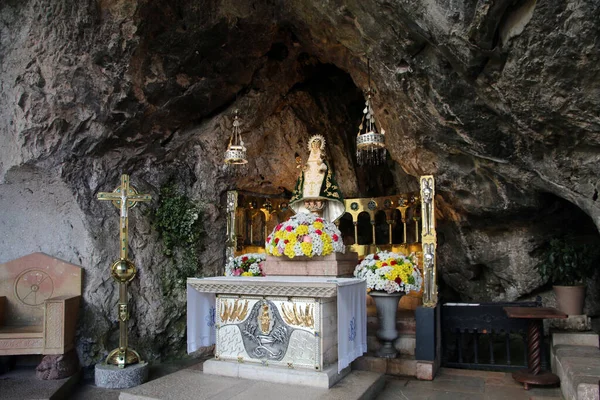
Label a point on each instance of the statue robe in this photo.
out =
(319, 184)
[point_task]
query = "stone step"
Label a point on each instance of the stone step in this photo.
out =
(578, 368)
(405, 344)
(193, 384)
(575, 338)
(400, 366)
(403, 325)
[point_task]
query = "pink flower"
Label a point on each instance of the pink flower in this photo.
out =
(319, 220)
(269, 239)
(289, 228)
(237, 272)
(335, 237)
(318, 232)
(278, 227)
(307, 239)
(276, 240)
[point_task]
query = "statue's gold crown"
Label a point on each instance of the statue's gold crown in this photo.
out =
(314, 139)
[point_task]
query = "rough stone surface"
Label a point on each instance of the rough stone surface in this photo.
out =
(58, 366)
(112, 377)
(572, 323)
(498, 100)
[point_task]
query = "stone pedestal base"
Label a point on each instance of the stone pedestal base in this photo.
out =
(112, 377)
(579, 323)
(287, 376)
(336, 264)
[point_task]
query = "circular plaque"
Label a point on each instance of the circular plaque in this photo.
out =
(33, 287)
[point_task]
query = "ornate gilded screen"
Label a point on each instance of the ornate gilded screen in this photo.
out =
(403, 223)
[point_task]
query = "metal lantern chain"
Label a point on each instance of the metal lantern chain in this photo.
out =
(370, 143)
(235, 155)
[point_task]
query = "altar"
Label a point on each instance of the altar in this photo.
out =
(288, 329)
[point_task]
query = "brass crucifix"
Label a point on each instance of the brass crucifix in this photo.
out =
(123, 270)
(123, 198)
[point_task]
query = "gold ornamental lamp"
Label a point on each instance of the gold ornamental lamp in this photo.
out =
(236, 151)
(370, 143)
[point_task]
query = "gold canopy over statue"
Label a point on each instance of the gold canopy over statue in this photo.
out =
(316, 189)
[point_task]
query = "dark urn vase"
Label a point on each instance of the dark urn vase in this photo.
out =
(387, 307)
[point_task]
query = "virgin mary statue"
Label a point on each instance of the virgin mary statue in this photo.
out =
(316, 190)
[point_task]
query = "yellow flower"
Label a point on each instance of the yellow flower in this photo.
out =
(289, 250)
(318, 225)
(306, 248)
(378, 264)
(302, 230)
(402, 271)
(247, 274)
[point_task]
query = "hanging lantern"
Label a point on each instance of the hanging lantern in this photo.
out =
(236, 151)
(370, 143)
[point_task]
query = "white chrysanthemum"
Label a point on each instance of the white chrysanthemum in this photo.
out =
(325, 232)
(390, 272)
(238, 262)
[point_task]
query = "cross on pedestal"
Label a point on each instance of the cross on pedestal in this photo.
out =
(123, 271)
(124, 197)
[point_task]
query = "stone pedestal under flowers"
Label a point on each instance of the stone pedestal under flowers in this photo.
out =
(389, 276)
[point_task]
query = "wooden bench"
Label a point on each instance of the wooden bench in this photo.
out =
(39, 304)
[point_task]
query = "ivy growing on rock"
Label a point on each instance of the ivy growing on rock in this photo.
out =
(178, 220)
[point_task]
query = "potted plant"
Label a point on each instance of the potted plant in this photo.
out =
(389, 276)
(566, 265)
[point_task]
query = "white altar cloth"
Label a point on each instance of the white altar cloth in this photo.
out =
(351, 311)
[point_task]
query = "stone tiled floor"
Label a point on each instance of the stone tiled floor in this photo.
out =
(455, 384)
(449, 384)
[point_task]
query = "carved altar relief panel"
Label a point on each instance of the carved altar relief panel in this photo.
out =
(269, 331)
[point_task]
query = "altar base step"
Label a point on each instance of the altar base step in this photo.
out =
(287, 376)
(193, 384)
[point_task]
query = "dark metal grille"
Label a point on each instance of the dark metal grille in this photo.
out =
(481, 336)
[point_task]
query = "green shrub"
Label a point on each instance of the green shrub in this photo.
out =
(566, 262)
(178, 220)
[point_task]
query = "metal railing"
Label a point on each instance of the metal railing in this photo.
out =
(481, 336)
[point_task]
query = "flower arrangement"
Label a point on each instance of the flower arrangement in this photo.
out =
(246, 265)
(305, 234)
(390, 272)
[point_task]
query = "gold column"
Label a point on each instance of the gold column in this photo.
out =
(428, 236)
(231, 243)
(402, 208)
